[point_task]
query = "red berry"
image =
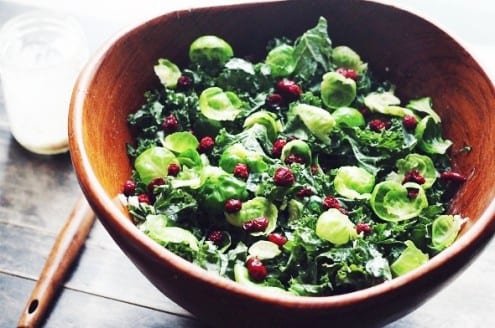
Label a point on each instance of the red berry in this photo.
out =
(409, 122)
(365, 111)
(452, 176)
(173, 169)
(293, 158)
(377, 125)
(129, 188)
(414, 176)
(283, 177)
(277, 238)
(289, 90)
(348, 73)
(206, 144)
(256, 269)
(155, 183)
(216, 236)
(255, 225)
(241, 171)
(363, 227)
(314, 169)
(233, 206)
(274, 101)
(170, 123)
(184, 83)
(331, 202)
(304, 192)
(278, 145)
(143, 198)
(412, 193)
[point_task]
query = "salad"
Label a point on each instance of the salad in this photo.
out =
(297, 173)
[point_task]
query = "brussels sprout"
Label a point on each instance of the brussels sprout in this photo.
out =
(153, 163)
(410, 258)
(337, 90)
(299, 148)
(255, 208)
(348, 116)
(391, 201)
(190, 158)
(156, 228)
(343, 56)
(236, 154)
(423, 164)
(264, 250)
(335, 227)
(210, 49)
(268, 120)
(281, 61)
(180, 142)
(167, 72)
(241, 275)
(218, 187)
(353, 182)
(188, 177)
(444, 231)
(424, 105)
(295, 209)
(219, 105)
(379, 101)
(318, 121)
(429, 137)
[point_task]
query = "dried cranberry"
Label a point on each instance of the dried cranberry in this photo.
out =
(274, 101)
(348, 73)
(365, 111)
(289, 90)
(155, 183)
(314, 169)
(184, 83)
(363, 227)
(255, 225)
(331, 202)
(409, 122)
(206, 144)
(256, 269)
(377, 125)
(233, 206)
(170, 123)
(241, 171)
(452, 176)
(414, 176)
(293, 158)
(216, 236)
(173, 169)
(278, 145)
(304, 192)
(144, 198)
(412, 193)
(283, 177)
(129, 188)
(277, 238)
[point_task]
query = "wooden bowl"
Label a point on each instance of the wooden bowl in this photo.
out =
(417, 56)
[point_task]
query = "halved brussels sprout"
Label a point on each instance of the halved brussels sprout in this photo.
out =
(264, 250)
(252, 209)
(318, 121)
(391, 201)
(180, 142)
(236, 154)
(424, 105)
(343, 56)
(268, 120)
(210, 49)
(429, 136)
(219, 105)
(299, 148)
(281, 61)
(337, 90)
(410, 258)
(156, 228)
(353, 182)
(348, 116)
(188, 177)
(379, 101)
(335, 227)
(167, 72)
(190, 158)
(153, 163)
(421, 163)
(444, 231)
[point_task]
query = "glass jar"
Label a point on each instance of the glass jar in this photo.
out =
(41, 55)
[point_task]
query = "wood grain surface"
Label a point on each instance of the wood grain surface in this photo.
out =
(103, 288)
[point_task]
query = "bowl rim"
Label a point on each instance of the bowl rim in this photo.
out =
(108, 208)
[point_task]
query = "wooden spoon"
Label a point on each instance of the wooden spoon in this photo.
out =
(65, 250)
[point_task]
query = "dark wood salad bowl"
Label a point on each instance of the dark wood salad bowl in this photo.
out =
(417, 56)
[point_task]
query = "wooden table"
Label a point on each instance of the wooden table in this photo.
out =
(104, 288)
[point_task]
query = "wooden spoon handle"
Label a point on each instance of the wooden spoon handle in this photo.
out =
(64, 252)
